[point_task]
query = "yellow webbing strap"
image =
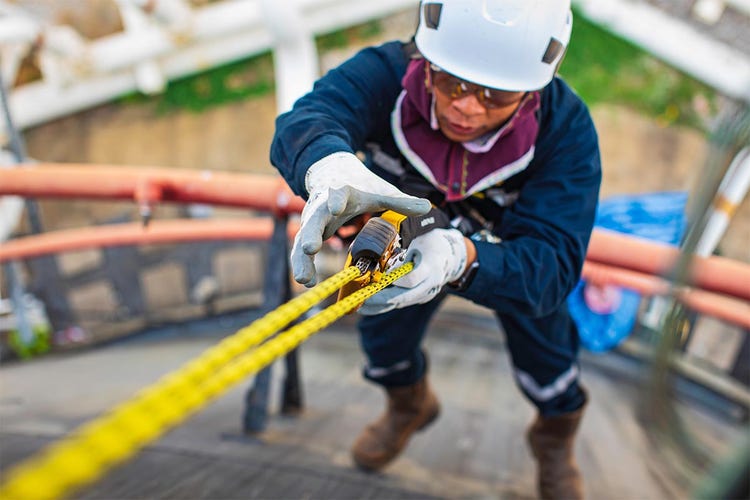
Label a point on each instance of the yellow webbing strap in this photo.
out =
(91, 450)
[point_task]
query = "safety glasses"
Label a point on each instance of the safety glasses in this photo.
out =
(457, 88)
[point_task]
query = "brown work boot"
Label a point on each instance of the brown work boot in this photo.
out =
(552, 440)
(410, 408)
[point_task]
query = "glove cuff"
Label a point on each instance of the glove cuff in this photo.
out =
(463, 282)
(458, 247)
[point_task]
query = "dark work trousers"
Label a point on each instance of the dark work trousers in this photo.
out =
(543, 352)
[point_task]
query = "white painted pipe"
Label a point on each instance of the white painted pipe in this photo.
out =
(742, 6)
(732, 191)
(295, 55)
(11, 57)
(15, 29)
(325, 16)
(11, 207)
(211, 22)
(17, 34)
(9, 8)
(148, 75)
(223, 18)
(720, 66)
(222, 32)
(40, 102)
(134, 19)
(710, 11)
(175, 13)
(149, 78)
(63, 56)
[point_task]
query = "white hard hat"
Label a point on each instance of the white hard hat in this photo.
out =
(513, 45)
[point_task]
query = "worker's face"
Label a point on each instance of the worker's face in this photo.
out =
(466, 111)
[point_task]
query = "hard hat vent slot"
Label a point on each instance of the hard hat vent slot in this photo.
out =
(431, 13)
(554, 48)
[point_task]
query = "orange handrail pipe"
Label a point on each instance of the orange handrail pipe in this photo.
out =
(179, 231)
(150, 185)
(133, 233)
(270, 193)
(732, 310)
(717, 274)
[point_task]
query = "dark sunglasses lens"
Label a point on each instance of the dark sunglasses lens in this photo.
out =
(493, 99)
(500, 98)
(455, 87)
(447, 83)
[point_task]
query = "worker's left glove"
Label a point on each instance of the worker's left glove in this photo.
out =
(341, 187)
(439, 257)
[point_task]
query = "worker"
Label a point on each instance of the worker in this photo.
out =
(471, 118)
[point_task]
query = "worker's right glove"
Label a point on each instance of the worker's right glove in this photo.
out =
(340, 187)
(439, 258)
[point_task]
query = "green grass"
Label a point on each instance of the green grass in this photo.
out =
(602, 68)
(245, 79)
(241, 80)
(342, 38)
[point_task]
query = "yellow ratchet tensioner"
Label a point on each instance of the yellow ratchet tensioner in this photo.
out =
(372, 250)
(380, 242)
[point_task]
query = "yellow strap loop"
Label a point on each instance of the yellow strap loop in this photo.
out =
(90, 451)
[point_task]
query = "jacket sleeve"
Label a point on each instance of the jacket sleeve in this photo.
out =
(345, 108)
(546, 232)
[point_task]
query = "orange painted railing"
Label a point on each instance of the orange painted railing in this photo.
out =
(728, 308)
(133, 233)
(714, 273)
(720, 287)
(150, 185)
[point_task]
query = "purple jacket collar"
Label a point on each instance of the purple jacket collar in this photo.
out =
(459, 169)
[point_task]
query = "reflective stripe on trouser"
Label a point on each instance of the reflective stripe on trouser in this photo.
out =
(543, 352)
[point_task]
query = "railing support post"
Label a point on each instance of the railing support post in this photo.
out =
(276, 291)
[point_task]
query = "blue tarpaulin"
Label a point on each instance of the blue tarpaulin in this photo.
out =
(606, 316)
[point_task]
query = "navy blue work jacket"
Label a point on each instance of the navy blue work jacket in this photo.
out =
(545, 225)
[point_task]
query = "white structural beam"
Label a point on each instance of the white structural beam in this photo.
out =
(710, 11)
(215, 34)
(168, 39)
(741, 5)
(11, 207)
(732, 191)
(295, 54)
(718, 65)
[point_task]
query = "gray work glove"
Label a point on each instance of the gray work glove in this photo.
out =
(340, 187)
(439, 257)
